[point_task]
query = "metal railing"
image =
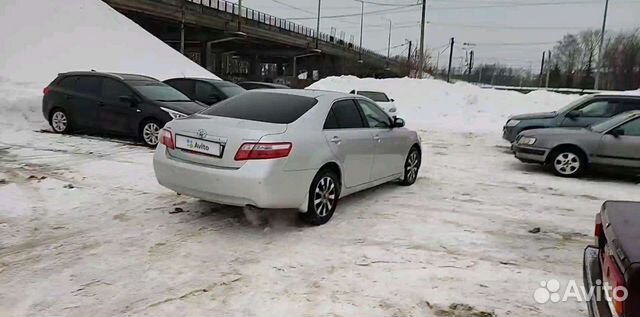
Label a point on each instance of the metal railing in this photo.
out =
(267, 19)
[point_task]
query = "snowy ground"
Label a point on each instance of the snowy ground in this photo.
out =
(112, 244)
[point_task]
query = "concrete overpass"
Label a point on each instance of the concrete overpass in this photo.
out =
(253, 45)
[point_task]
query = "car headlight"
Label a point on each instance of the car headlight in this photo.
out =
(513, 123)
(526, 140)
(174, 114)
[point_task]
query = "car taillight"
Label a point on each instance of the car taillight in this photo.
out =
(263, 151)
(599, 231)
(618, 292)
(46, 90)
(166, 138)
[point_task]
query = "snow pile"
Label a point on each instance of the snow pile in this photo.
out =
(437, 105)
(43, 38)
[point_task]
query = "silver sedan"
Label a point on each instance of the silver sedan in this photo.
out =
(285, 148)
(615, 142)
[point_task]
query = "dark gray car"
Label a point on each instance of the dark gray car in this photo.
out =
(581, 113)
(569, 151)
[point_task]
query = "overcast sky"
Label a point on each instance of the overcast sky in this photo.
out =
(513, 32)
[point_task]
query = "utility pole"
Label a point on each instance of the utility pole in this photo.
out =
(239, 15)
(409, 58)
(422, 25)
(541, 70)
(470, 65)
(361, 28)
(389, 44)
(184, 3)
(480, 74)
(548, 68)
(317, 24)
(604, 26)
(450, 60)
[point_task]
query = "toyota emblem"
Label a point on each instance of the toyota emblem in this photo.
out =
(202, 133)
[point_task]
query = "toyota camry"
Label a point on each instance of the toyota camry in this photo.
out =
(290, 149)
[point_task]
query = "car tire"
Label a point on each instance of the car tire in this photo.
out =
(323, 198)
(411, 167)
(150, 132)
(59, 121)
(568, 162)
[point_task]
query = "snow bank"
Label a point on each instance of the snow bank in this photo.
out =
(434, 104)
(43, 38)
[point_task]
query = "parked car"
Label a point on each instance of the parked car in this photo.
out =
(615, 142)
(251, 85)
(386, 103)
(120, 104)
(612, 264)
(581, 113)
(299, 149)
(207, 91)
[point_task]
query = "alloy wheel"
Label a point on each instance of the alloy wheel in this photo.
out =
(324, 197)
(59, 121)
(150, 133)
(567, 163)
(412, 166)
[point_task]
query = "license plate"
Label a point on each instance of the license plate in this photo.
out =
(198, 145)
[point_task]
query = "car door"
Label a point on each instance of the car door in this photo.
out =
(185, 86)
(591, 112)
(207, 93)
(351, 142)
(621, 146)
(84, 101)
(117, 116)
(390, 148)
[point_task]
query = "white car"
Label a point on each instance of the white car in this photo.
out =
(300, 149)
(387, 104)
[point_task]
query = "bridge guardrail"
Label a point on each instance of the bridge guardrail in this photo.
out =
(283, 24)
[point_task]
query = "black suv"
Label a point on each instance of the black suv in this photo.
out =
(119, 104)
(207, 91)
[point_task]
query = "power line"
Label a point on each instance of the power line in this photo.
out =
(535, 4)
(356, 14)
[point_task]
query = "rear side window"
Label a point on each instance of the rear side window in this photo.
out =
(112, 90)
(331, 122)
(184, 86)
(68, 83)
(90, 85)
(205, 91)
(347, 114)
(263, 106)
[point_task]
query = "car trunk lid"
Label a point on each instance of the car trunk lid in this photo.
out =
(214, 141)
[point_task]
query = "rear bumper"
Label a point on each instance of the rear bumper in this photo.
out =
(260, 183)
(529, 154)
(591, 273)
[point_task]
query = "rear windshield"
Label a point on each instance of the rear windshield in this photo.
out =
(263, 106)
(158, 91)
(374, 95)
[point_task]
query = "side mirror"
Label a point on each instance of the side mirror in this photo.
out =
(616, 133)
(574, 114)
(128, 100)
(398, 123)
(392, 100)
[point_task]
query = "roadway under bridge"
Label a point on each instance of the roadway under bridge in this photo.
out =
(251, 45)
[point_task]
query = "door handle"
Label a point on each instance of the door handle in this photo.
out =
(336, 140)
(376, 137)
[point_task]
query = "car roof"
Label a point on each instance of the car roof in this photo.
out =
(262, 83)
(122, 76)
(208, 80)
(619, 94)
(312, 93)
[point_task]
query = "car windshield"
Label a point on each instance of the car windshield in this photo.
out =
(374, 95)
(231, 90)
(573, 104)
(158, 91)
(611, 123)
